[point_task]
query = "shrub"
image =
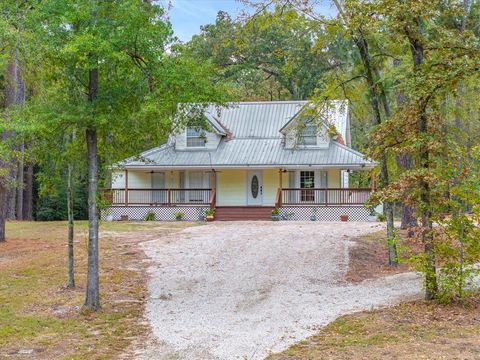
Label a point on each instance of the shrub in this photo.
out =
(179, 215)
(150, 216)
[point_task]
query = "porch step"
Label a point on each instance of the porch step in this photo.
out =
(238, 213)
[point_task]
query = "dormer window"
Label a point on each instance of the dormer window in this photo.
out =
(308, 135)
(195, 137)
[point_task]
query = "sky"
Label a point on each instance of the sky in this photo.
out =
(187, 16)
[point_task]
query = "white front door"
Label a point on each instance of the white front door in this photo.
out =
(254, 187)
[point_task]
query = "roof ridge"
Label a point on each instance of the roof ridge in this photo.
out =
(268, 102)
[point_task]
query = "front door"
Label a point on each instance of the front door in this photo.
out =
(254, 187)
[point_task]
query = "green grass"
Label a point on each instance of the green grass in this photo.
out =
(38, 312)
(418, 330)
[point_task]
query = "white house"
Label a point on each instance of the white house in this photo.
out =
(254, 157)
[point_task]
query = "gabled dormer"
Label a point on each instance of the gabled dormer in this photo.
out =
(305, 134)
(203, 135)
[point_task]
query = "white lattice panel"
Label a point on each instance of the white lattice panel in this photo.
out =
(163, 213)
(324, 213)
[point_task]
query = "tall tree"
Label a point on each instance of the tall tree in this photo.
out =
(13, 94)
(272, 55)
(106, 74)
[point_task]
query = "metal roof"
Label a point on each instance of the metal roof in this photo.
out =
(257, 142)
(252, 153)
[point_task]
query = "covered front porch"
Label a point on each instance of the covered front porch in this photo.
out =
(192, 191)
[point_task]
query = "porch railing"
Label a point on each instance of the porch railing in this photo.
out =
(317, 196)
(158, 197)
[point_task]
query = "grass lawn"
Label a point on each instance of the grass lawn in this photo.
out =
(408, 331)
(41, 318)
(417, 330)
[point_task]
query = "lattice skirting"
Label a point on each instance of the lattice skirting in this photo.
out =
(324, 213)
(192, 213)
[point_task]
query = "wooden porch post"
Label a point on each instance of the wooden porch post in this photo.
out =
(213, 203)
(278, 200)
(126, 187)
(214, 185)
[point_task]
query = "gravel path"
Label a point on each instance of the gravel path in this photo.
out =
(240, 290)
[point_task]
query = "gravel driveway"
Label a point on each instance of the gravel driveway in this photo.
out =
(240, 290)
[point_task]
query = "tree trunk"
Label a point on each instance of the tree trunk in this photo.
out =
(377, 95)
(409, 221)
(71, 277)
(14, 94)
(12, 194)
(28, 194)
(20, 183)
(3, 211)
(404, 162)
(431, 286)
(92, 299)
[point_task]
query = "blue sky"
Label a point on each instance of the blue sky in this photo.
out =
(188, 15)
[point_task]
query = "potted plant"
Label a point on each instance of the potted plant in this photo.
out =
(210, 214)
(275, 214)
(123, 217)
(313, 216)
(344, 217)
(150, 216)
(179, 215)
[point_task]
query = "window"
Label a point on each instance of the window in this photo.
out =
(309, 134)
(307, 181)
(195, 138)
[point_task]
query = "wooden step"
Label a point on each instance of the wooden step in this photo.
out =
(239, 213)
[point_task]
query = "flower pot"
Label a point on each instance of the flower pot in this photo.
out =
(372, 218)
(313, 218)
(209, 218)
(179, 218)
(275, 217)
(344, 217)
(123, 217)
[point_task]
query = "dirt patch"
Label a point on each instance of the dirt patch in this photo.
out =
(417, 330)
(368, 257)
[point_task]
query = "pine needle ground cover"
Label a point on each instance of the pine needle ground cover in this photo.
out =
(41, 318)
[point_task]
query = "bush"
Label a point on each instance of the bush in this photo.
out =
(150, 216)
(179, 215)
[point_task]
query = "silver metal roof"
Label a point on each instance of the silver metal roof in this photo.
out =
(257, 142)
(264, 152)
(267, 118)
